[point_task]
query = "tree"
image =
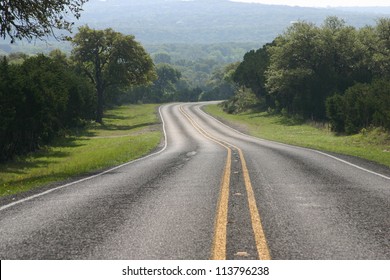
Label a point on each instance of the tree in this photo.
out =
(111, 59)
(342, 55)
(376, 41)
(40, 99)
(335, 111)
(251, 72)
(220, 84)
(310, 63)
(35, 19)
(162, 58)
(291, 73)
(164, 87)
(362, 106)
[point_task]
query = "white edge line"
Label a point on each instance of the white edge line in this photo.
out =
(287, 145)
(96, 175)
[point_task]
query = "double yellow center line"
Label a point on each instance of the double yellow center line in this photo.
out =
(220, 231)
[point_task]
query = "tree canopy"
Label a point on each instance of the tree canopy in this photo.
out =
(333, 72)
(40, 99)
(251, 72)
(111, 59)
(43, 97)
(30, 19)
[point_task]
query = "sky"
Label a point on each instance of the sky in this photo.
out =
(322, 3)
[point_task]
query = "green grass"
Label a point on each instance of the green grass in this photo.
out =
(129, 132)
(373, 145)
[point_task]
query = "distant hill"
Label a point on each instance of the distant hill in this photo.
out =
(210, 21)
(158, 23)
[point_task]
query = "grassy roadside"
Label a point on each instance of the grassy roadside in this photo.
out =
(372, 145)
(129, 132)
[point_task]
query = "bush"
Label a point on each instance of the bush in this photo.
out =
(40, 98)
(381, 98)
(335, 112)
(362, 106)
(242, 101)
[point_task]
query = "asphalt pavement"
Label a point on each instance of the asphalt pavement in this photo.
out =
(209, 192)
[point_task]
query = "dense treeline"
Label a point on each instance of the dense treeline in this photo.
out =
(172, 86)
(333, 72)
(40, 99)
(44, 96)
(186, 73)
(362, 106)
(199, 64)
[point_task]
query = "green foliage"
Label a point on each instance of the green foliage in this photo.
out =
(35, 19)
(251, 72)
(335, 112)
(220, 85)
(171, 86)
(310, 63)
(243, 100)
(339, 57)
(358, 108)
(291, 75)
(162, 58)
(164, 85)
(373, 145)
(196, 62)
(40, 99)
(362, 106)
(163, 88)
(376, 41)
(302, 69)
(129, 132)
(111, 59)
(365, 105)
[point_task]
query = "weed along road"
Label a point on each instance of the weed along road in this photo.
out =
(209, 193)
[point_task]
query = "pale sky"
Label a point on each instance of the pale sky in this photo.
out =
(321, 3)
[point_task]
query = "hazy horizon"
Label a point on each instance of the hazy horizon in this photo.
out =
(321, 3)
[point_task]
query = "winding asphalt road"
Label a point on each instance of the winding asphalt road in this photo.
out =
(210, 192)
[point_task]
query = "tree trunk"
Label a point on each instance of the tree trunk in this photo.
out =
(100, 103)
(99, 89)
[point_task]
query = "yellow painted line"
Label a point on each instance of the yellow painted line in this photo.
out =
(261, 241)
(220, 229)
(203, 132)
(220, 233)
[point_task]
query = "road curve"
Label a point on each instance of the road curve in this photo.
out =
(210, 192)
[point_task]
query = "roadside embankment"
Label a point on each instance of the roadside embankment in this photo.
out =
(129, 132)
(372, 145)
